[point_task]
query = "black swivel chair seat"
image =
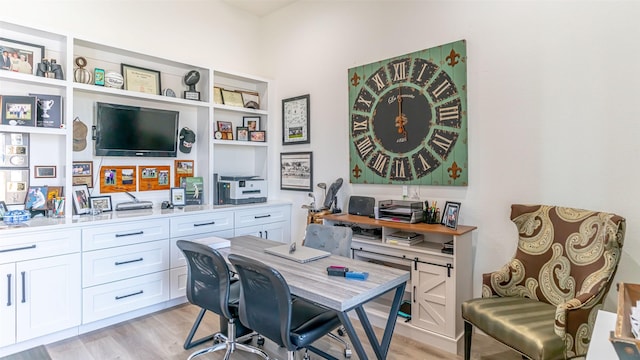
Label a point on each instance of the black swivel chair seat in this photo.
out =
(267, 307)
(211, 287)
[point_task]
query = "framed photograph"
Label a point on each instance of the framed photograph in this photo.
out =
(83, 173)
(14, 150)
(98, 76)
(296, 171)
(101, 202)
(217, 96)
(54, 193)
(295, 120)
(49, 110)
(451, 214)
(252, 122)
(251, 100)
(242, 133)
(259, 136)
(45, 171)
(19, 110)
(178, 196)
(232, 98)
(141, 79)
(3, 209)
(20, 56)
(36, 198)
(14, 184)
(182, 169)
(81, 199)
(154, 177)
(225, 126)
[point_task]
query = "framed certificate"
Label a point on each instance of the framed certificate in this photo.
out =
(141, 79)
(232, 98)
(295, 120)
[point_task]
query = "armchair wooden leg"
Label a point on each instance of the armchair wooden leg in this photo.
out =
(468, 331)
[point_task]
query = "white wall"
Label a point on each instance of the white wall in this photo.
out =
(552, 88)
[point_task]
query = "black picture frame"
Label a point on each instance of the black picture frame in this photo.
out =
(296, 171)
(81, 199)
(251, 122)
(296, 120)
(178, 196)
(450, 214)
(101, 202)
(44, 171)
(258, 136)
(19, 110)
(141, 79)
(242, 133)
(33, 54)
(49, 108)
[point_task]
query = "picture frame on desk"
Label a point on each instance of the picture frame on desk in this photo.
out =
(103, 203)
(29, 56)
(296, 171)
(81, 197)
(141, 80)
(451, 214)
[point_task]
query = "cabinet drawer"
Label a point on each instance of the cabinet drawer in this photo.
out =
(201, 223)
(397, 255)
(100, 302)
(261, 216)
(107, 265)
(101, 237)
(39, 245)
(177, 257)
(179, 282)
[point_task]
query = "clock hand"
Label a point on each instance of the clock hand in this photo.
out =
(401, 119)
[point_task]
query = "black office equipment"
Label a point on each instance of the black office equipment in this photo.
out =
(361, 205)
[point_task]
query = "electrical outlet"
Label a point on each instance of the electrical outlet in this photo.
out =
(405, 191)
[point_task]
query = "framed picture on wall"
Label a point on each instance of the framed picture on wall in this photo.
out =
(296, 171)
(295, 120)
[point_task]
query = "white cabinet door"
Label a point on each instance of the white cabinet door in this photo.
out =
(7, 304)
(433, 303)
(255, 230)
(48, 295)
(275, 231)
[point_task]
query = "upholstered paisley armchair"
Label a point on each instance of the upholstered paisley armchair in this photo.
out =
(543, 303)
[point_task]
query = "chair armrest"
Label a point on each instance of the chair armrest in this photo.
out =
(575, 304)
(504, 282)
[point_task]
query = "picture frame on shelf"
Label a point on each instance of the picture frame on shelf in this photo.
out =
(54, 193)
(242, 133)
(36, 198)
(44, 171)
(49, 110)
(451, 214)
(178, 196)
(141, 79)
(181, 169)
(225, 126)
(103, 203)
(81, 199)
(82, 173)
(251, 122)
(251, 100)
(296, 171)
(14, 184)
(3, 209)
(296, 120)
(14, 150)
(232, 98)
(258, 136)
(217, 96)
(19, 110)
(29, 55)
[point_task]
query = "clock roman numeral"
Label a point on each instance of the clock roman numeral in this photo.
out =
(359, 124)
(399, 69)
(442, 142)
(423, 70)
(424, 163)
(442, 87)
(378, 81)
(449, 114)
(363, 101)
(400, 170)
(364, 146)
(379, 164)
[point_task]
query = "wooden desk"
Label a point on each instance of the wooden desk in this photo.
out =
(600, 347)
(311, 282)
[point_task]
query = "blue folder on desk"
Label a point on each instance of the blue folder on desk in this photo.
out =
(302, 254)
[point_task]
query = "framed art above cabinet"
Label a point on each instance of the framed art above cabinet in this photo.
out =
(408, 119)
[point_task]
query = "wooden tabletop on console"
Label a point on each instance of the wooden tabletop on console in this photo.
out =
(417, 227)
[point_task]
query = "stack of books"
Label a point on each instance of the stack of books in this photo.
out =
(447, 247)
(404, 238)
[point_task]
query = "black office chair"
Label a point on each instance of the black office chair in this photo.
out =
(210, 286)
(337, 241)
(266, 306)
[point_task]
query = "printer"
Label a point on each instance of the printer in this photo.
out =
(237, 190)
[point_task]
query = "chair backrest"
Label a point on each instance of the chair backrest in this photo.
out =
(334, 239)
(564, 252)
(265, 300)
(208, 278)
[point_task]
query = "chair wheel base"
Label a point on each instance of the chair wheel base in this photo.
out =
(260, 341)
(347, 353)
(340, 332)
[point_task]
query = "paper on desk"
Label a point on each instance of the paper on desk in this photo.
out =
(635, 320)
(216, 242)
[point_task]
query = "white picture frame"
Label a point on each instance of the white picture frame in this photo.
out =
(178, 196)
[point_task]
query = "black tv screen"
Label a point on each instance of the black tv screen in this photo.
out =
(123, 130)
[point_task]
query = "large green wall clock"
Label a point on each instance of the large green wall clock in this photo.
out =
(408, 119)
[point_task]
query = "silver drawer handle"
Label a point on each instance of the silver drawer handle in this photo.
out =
(8, 289)
(24, 292)
(204, 224)
(20, 248)
(130, 234)
(126, 296)
(127, 262)
(262, 216)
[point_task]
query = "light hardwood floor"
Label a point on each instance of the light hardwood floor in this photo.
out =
(161, 336)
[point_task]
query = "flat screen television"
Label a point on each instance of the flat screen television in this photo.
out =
(123, 130)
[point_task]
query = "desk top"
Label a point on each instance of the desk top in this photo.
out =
(417, 227)
(310, 280)
(600, 347)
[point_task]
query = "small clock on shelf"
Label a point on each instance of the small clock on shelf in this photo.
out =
(217, 135)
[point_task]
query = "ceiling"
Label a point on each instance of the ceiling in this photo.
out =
(259, 8)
